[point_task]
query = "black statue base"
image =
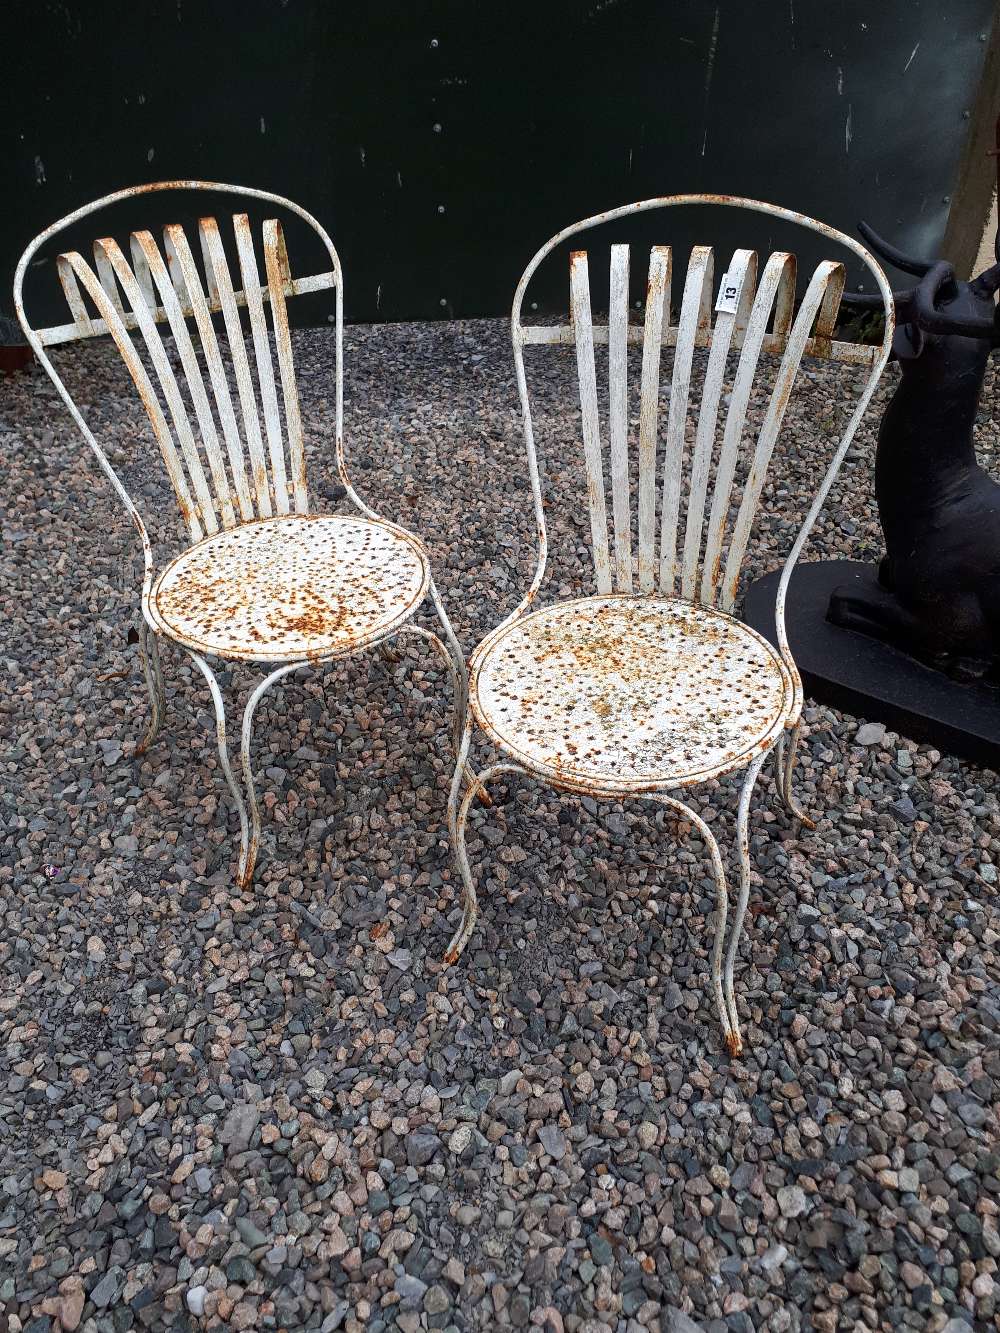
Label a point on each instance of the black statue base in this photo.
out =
(871, 679)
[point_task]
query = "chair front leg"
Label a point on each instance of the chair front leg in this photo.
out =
(220, 732)
(149, 655)
(743, 850)
(727, 1015)
(250, 846)
(457, 816)
(460, 696)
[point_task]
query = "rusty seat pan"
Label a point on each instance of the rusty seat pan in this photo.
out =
(629, 694)
(301, 587)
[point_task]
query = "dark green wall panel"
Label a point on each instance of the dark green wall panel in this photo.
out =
(441, 143)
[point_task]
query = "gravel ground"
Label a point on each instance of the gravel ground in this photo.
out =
(275, 1109)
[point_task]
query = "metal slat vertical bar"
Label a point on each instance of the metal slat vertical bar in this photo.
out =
(71, 290)
(774, 274)
(621, 488)
(107, 276)
(262, 353)
(222, 291)
(697, 296)
(742, 269)
(144, 315)
(190, 508)
(188, 285)
(276, 265)
(657, 309)
(192, 372)
(140, 267)
(587, 373)
(825, 273)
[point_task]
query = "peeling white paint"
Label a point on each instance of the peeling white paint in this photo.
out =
(150, 155)
(849, 128)
(39, 171)
(840, 81)
(912, 54)
(263, 126)
(362, 153)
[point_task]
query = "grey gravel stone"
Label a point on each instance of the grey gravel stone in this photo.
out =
(870, 733)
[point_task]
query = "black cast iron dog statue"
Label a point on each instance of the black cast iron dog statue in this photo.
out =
(938, 592)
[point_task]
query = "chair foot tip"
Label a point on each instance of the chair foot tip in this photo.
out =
(735, 1043)
(451, 956)
(485, 799)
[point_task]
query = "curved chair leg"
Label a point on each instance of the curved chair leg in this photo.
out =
(727, 1015)
(461, 682)
(457, 816)
(249, 847)
(784, 769)
(149, 655)
(220, 731)
(460, 696)
(743, 849)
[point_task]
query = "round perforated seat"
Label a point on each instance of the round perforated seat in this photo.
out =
(618, 694)
(302, 586)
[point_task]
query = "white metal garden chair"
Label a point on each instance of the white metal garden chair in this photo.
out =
(262, 578)
(651, 685)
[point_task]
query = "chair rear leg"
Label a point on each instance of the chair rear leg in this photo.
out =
(784, 769)
(220, 732)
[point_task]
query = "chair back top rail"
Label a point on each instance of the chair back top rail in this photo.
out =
(228, 461)
(744, 320)
(94, 328)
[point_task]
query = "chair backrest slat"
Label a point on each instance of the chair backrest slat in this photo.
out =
(696, 304)
(741, 276)
(167, 291)
(777, 281)
(220, 284)
(618, 414)
(71, 290)
(143, 307)
(276, 265)
(191, 294)
(191, 508)
(109, 282)
(828, 274)
(262, 354)
(587, 373)
(657, 310)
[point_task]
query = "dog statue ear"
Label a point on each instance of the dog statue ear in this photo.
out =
(907, 342)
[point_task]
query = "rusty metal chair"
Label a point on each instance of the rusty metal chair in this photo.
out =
(651, 685)
(262, 578)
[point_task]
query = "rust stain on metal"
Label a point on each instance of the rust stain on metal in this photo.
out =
(629, 694)
(299, 587)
